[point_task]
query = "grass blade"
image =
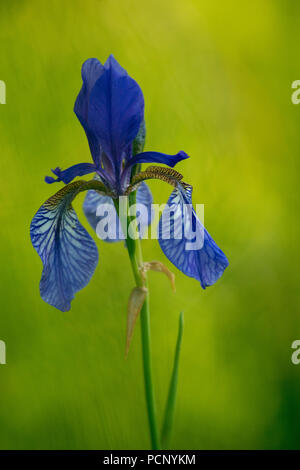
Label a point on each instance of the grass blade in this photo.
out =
(170, 405)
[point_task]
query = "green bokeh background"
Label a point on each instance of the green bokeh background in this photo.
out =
(217, 83)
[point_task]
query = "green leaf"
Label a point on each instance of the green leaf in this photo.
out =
(170, 405)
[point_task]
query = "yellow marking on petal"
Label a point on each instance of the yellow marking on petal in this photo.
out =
(159, 267)
(72, 189)
(186, 186)
(135, 303)
(165, 171)
(168, 175)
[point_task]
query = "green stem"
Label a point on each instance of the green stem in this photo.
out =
(136, 259)
(149, 390)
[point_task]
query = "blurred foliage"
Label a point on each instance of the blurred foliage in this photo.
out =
(217, 83)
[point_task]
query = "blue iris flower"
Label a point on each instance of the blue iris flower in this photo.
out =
(110, 108)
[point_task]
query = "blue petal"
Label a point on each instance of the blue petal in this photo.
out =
(69, 174)
(91, 203)
(68, 253)
(156, 157)
(92, 69)
(116, 110)
(206, 263)
(144, 196)
(93, 200)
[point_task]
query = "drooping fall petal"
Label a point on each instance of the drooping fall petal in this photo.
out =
(68, 253)
(185, 241)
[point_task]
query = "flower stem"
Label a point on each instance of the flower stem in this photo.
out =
(149, 390)
(136, 259)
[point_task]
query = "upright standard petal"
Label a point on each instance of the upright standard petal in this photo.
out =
(68, 253)
(92, 69)
(185, 241)
(116, 110)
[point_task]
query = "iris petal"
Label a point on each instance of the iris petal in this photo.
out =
(92, 203)
(69, 174)
(144, 196)
(116, 110)
(68, 253)
(207, 262)
(151, 157)
(157, 157)
(93, 200)
(91, 70)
